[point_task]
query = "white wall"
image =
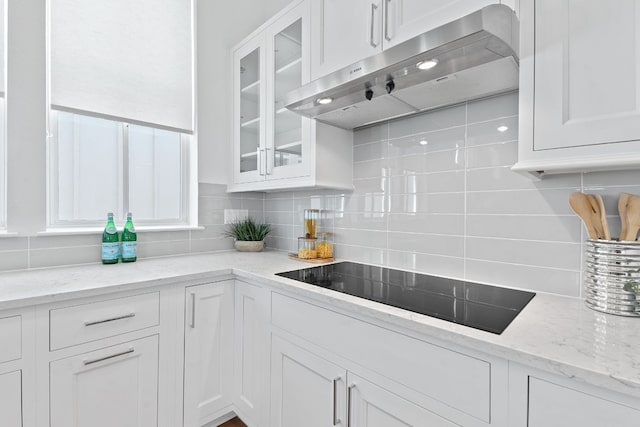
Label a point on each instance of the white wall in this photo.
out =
(220, 26)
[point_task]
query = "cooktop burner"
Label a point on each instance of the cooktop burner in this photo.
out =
(484, 307)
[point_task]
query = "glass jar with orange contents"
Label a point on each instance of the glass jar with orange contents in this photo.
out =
(311, 217)
(324, 245)
(307, 248)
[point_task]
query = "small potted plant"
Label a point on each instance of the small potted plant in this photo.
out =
(249, 235)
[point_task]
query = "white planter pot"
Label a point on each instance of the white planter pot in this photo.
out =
(245, 246)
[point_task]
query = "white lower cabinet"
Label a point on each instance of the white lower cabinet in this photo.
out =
(208, 352)
(250, 352)
(306, 390)
(11, 399)
(541, 399)
(371, 406)
(114, 386)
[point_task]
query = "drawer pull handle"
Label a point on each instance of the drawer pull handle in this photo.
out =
(336, 421)
(97, 322)
(102, 359)
(193, 311)
(351, 387)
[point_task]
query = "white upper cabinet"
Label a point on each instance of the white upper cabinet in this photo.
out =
(275, 148)
(344, 32)
(579, 85)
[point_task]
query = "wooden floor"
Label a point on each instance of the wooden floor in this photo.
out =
(234, 423)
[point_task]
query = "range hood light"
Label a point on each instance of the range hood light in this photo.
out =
(427, 65)
(503, 128)
(423, 142)
(325, 101)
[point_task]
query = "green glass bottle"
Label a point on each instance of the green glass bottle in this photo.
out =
(110, 242)
(129, 238)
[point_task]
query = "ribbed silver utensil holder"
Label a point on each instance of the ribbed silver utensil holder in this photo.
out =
(612, 277)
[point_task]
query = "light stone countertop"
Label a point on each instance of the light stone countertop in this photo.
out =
(553, 333)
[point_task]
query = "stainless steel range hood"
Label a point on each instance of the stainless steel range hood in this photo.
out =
(476, 55)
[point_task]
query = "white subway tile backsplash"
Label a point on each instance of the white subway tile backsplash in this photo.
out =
(427, 122)
(500, 154)
(437, 182)
(39, 251)
(503, 178)
(488, 133)
(553, 228)
(434, 244)
(453, 207)
(426, 263)
(524, 202)
(14, 260)
(540, 279)
(452, 203)
(371, 151)
(492, 108)
(526, 252)
(422, 143)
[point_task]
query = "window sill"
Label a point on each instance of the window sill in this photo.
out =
(5, 233)
(98, 230)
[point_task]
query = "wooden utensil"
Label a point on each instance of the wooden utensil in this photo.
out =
(633, 217)
(581, 205)
(603, 217)
(595, 216)
(622, 211)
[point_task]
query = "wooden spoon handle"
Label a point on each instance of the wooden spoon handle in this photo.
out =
(595, 216)
(603, 217)
(622, 211)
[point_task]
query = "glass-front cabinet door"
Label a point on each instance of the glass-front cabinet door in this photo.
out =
(288, 132)
(249, 112)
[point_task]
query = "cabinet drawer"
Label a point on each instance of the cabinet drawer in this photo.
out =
(11, 333)
(455, 379)
(89, 322)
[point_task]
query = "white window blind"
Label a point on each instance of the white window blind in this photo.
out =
(129, 60)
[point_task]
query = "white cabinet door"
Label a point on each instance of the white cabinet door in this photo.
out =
(306, 390)
(114, 386)
(580, 100)
(372, 406)
(11, 399)
(408, 18)
(288, 134)
(249, 105)
(552, 405)
(578, 112)
(250, 349)
(208, 352)
(344, 32)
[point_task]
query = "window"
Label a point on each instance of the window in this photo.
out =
(98, 166)
(3, 147)
(121, 112)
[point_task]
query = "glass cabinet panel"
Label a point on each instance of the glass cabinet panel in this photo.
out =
(287, 125)
(250, 111)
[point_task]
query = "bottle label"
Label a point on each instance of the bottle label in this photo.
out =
(129, 250)
(110, 251)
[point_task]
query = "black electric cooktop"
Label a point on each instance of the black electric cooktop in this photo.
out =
(484, 307)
